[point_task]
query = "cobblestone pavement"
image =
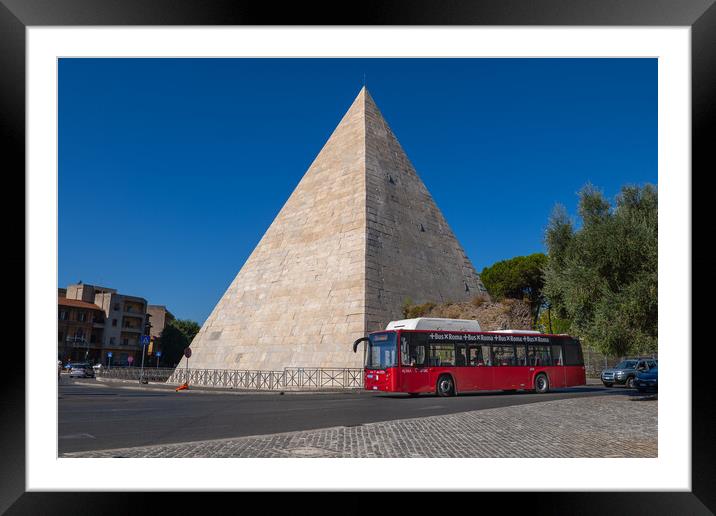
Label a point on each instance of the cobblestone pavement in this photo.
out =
(583, 427)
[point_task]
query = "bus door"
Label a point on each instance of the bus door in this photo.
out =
(464, 377)
(414, 371)
(480, 361)
(574, 363)
(509, 367)
(558, 372)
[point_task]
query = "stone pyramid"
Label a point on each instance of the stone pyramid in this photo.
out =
(358, 235)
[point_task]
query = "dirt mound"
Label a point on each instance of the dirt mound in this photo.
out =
(503, 315)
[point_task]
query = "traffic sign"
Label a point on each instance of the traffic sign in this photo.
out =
(145, 340)
(187, 352)
(158, 353)
(130, 359)
(109, 354)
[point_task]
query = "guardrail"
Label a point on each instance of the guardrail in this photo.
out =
(291, 378)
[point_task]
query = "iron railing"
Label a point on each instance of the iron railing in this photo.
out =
(292, 378)
(595, 362)
(151, 374)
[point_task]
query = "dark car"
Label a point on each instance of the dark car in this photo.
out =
(625, 372)
(647, 381)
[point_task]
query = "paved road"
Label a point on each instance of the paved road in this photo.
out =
(591, 426)
(101, 417)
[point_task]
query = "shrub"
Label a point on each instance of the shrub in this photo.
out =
(478, 300)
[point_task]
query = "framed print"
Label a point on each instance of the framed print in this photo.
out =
(63, 103)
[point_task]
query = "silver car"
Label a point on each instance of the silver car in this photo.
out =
(82, 370)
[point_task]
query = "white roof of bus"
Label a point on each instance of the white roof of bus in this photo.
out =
(434, 323)
(516, 331)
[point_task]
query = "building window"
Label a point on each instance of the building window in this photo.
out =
(82, 316)
(111, 341)
(116, 307)
(60, 335)
(63, 315)
(125, 342)
(114, 322)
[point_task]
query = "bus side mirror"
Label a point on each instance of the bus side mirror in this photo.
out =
(358, 341)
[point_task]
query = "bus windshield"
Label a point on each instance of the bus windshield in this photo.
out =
(381, 351)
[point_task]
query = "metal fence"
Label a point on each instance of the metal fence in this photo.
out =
(151, 374)
(595, 362)
(289, 379)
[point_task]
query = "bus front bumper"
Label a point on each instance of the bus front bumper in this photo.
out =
(380, 380)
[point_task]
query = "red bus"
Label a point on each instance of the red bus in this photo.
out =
(451, 362)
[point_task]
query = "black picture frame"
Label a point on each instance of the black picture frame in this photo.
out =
(699, 15)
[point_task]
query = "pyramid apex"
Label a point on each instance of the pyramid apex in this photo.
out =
(362, 92)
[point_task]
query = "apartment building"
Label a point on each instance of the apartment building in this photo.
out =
(159, 317)
(79, 330)
(124, 321)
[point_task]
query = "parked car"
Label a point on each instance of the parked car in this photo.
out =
(625, 372)
(81, 370)
(647, 380)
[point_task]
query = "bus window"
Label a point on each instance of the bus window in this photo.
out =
(418, 345)
(404, 353)
(504, 355)
(521, 355)
(557, 354)
(539, 356)
(486, 356)
(572, 353)
(442, 355)
(460, 359)
(474, 356)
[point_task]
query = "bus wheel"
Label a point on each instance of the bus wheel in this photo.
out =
(541, 383)
(446, 387)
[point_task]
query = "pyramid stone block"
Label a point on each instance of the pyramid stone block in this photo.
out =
(358, 235)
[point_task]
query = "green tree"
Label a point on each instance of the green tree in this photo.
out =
(520, 277)
(188, 327)
(175, 337)
(550, 322)
(603, 276)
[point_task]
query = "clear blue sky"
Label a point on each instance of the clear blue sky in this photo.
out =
(170, 170)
